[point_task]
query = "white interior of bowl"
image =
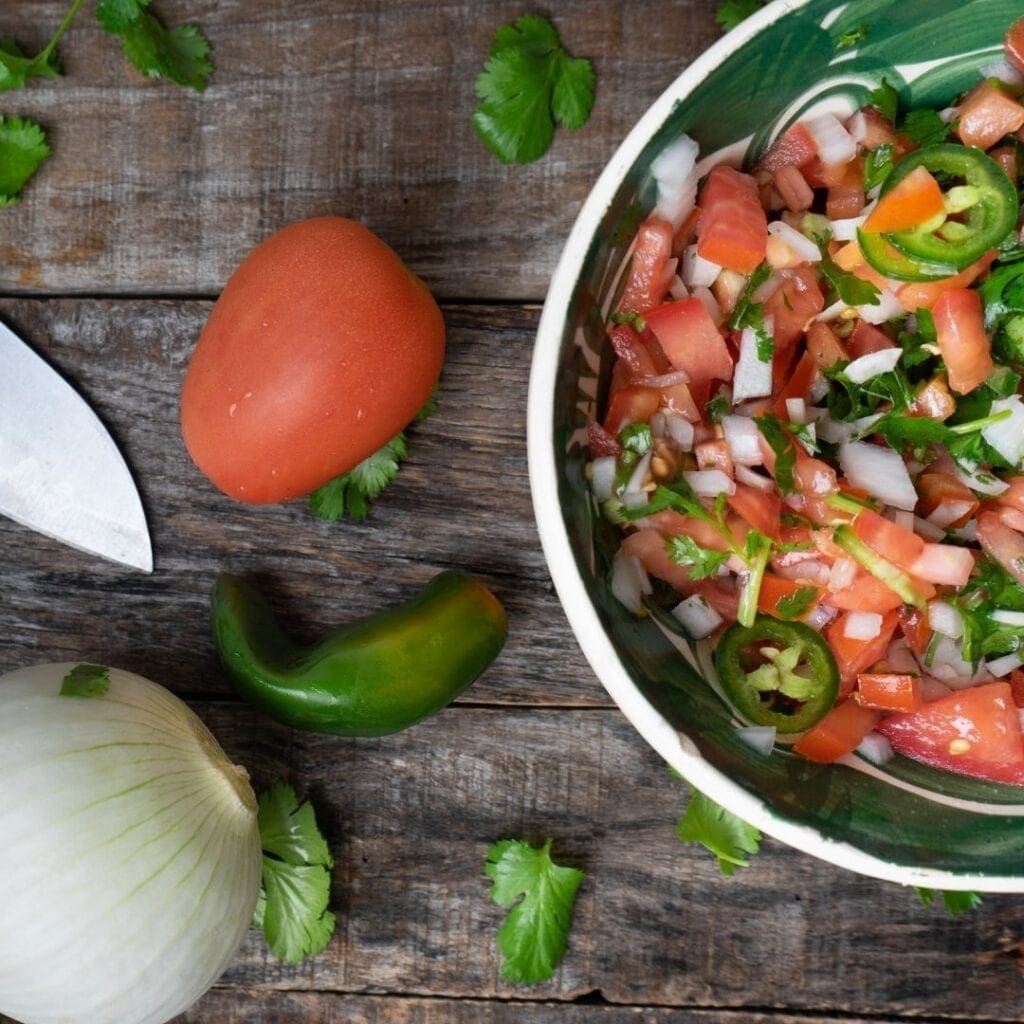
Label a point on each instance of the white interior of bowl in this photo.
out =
(674, 747)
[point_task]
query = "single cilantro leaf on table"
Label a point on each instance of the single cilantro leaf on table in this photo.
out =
(719, 831)
(16, 69)
(925, 127)
(86, 681)
(292, 909)
(528, 83)
(954, 902)
(534, 936)
(23, 148)
(731, 12)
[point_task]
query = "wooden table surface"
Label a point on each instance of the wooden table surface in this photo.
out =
(109, 267)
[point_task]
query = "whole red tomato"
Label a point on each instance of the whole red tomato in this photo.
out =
(321, 348)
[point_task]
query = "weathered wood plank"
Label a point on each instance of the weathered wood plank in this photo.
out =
(462, 501)
(410, 819)
(317, 106)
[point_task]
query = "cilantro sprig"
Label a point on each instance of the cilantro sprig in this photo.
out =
(702, 562)
(728, 838)
(541, 895)
(23, 148)
(528, 83)
(990, 588)
(954, 902)
(292, 909)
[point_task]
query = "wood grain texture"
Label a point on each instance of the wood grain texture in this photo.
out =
(461, 501)
(359, 107)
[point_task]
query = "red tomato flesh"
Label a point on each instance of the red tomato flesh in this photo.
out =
(888, 691)
(963, 343)
(733, 228)
(690, 339)
(649, 273)
(838, 733)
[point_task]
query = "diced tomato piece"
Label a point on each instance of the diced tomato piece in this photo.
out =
(1017, 687)
(649, 270)
(974, 732)
(795, 148)
(687, 232)
(856, 656)
(916, 199)
(823, 346)
(630, 349)
(796, 302)
(946, 564)
(1011, 517)
(917, 295)
(733, 229)
(916, 630)
(600, 441)
(670, 523)
(938, 490)
(630, 404)
(1013, 45)
(813, 476)
(679, 398)
(1002, 543)
(867, 338)
(714, 455)
(888, 691)
(774, 589)
(963, 343)
(839, 733)
(761, 509)
(1006, 157)
(727, 289)
(690, 339)
(1014, 497)
(793, 188)
(933, 400)
(797, 385)
(822, 175)
(782, 364)
(898, 545)
(987, 114)
(844, 201)
(879, 130)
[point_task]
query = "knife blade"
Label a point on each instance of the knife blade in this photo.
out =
(60, 472)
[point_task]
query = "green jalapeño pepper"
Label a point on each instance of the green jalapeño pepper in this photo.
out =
(370, 678)
(777, 673)
(981, 211)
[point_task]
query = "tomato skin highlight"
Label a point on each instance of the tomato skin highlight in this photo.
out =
(888, 691)
(321, 348)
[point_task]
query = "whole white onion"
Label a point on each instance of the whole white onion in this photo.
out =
(130, 860)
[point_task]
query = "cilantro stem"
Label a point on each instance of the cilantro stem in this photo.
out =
(752, 587)
(985, 421)
(44, 56)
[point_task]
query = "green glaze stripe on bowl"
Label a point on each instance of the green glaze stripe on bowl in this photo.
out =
(903, 821)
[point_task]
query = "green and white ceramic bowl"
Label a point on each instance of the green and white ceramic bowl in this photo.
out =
(902, 822)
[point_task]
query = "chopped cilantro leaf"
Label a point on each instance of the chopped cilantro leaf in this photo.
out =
(845, 285)
(730, 839)
(925, 127)
(717, 408)
(885, 99)
(535, 934)
(632, 318)
(731, 12)
(742, 314)
(23, 148)
(784, 447)
(792, 606)
(702, 562)
(765, 345)
(86, 681)
(528, 83)
(989, 589)
(954, 902)
(636, 438)
(292, 909)
(877, 165)
(16, 69)
(852, 37)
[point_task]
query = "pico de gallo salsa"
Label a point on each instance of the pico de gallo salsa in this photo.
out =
(813, 442)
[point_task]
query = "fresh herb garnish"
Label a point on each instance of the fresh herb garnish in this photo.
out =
(717, 408)
(636, 438)
(782, 443)
(702, 562)
(925, 127)
(292, 909)
(853, 400)
(878, 164)
(535, 934)
(1003, 296)
(751, 314)
(885, 99)
(844, 285)
(852, 37)
(792, 606)
(23, 148)
(528, 83)
(16, 68)
(632, 318)
(990, 588)
(954, 902)
(730, 839)
(86, 681)
(731, 12)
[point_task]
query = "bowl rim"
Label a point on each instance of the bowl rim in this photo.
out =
(675, 748)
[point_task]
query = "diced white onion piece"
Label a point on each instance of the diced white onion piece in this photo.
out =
(663, 380)
(634, 499)
(841, 576)
(1003, 666)
(845, 229)
(630, 581)
(875, 748)
(968, 532)
(677, 289)
(862, 625)
(753, 376)
(697, 617)
(836, 432)
(835, 144)
(743, 439)
(680, 431)
(901, 517)
(758, 737)
(983, 483)
(830, 313)
(657, 424)
(949, 666)
(948, 114)
(872, 364)
(675, 172)
(1007, 617)
(709, 483)
(888, 307)
(945, 619)
(796, 410)
(947, 512)
(799, 243)
(820, 616)
(857, 126)
(745, 475)
(946, 564)
(696, 271)
(1007, 436)
(710, 303)
(637, 479)
(879, 471)
(602, 477)
(810, 571)
(1004, 71)
(819, 387)
(927, 529)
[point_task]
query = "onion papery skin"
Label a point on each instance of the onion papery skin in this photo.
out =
(130, 859)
